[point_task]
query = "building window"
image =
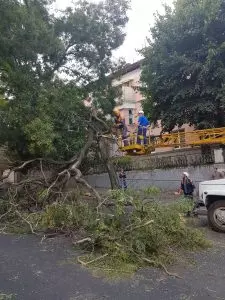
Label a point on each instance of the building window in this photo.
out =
(130, 117)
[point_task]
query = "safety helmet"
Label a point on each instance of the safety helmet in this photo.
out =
(116, 111)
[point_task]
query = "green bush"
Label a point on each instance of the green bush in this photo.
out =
(123, 162)
(56, 216)
(182, 205)
(67, 216)
(152, 190)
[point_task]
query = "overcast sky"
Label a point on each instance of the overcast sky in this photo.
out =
(141, 17)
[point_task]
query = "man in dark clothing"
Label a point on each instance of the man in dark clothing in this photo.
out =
(123, 182)
(187, 185)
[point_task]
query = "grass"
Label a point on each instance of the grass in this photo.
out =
(152, 191)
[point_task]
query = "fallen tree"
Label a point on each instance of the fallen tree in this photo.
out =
(43, 115)
(117, 240)
(54, 184)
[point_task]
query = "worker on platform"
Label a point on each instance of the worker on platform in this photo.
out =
(120, 125)
(143, 124)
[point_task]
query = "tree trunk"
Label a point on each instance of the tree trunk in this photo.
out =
(112, 175)
(104, 152)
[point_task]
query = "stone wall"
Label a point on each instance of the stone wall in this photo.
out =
(165, 179)
(164, 170)
(172, 159)
(160, 169)
(163, 160)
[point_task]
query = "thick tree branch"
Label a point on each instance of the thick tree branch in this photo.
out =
(94, 116)
(84, 151)
(79, 179)
(16, 169)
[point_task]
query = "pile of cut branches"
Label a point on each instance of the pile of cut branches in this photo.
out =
(119, 235)
(131, 237)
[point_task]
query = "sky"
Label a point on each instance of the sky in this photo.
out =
(141, 17)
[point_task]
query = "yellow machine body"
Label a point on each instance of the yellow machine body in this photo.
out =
(179, 139)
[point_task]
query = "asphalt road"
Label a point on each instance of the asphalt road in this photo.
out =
(31, 270)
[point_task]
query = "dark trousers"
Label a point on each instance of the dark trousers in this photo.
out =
(122, 131)
(142, 131)
(124, 136)
(123, 183)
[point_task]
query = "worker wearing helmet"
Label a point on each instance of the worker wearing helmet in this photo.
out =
(119, 120)
(120, 125)
(143, 124)
(187, 185)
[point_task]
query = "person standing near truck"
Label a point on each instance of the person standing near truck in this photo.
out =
(187, 185)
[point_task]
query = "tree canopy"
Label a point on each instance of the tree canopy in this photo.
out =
(184, 65)
(49, 63)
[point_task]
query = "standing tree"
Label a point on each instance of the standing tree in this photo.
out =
(184, 65)
(48, 66)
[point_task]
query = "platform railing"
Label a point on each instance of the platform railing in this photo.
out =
(133, 138)
(178, 139)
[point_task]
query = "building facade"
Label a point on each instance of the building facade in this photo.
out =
(130, 101)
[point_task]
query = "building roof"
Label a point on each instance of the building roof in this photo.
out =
(131, 67)
(128, 68)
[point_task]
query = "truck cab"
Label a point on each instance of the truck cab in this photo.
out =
(212, 195)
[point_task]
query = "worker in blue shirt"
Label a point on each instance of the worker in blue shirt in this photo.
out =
(143, 124)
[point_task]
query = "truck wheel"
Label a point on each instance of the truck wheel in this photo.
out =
(216, 215)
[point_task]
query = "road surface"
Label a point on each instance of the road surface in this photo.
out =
(31, 270)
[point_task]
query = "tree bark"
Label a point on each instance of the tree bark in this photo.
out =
(103, 149)
(112, 176)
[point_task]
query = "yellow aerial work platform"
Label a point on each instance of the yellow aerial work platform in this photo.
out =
(134, 144)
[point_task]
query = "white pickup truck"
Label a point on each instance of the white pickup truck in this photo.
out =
(212, 195)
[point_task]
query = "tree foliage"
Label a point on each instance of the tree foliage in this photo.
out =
(124, 234)
(48, 65)
(184, 65)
